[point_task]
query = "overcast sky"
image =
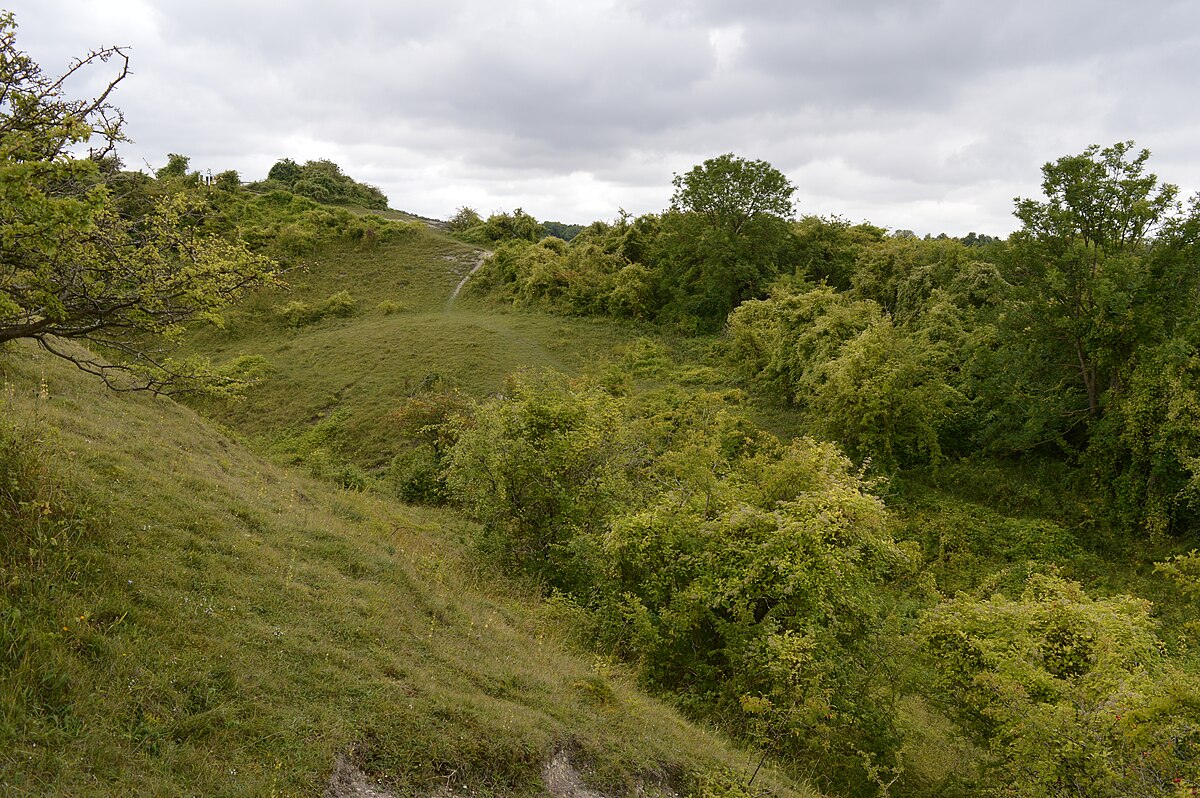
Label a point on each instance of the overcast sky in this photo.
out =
(911, 114)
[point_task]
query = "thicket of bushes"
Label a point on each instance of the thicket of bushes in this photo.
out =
(323, 180)
(763, 585)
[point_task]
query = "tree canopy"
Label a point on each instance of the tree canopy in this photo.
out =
(730, 191)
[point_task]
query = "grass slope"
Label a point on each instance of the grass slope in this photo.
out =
(180, 617)
(402, 335)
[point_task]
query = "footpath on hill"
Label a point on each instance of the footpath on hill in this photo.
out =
(482, 259)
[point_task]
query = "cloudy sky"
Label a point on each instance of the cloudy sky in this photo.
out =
(911, 114)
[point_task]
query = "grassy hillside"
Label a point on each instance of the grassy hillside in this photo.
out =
(399, 334)
(180, 617)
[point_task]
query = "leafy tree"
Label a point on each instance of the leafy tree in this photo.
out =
(1083, 258)
(74, 263)
(1101, 335)
(177, 167)
(731, 192)
(725, 236)
(285, 171)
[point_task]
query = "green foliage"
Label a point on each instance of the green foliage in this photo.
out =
(906, 276)
(780, 343)
(464, 219)
(827, 249)
(176, 168)
(426, 422)
(738, 573)
(297, 313)
(285, 171)
(290, 226)
(515, 226)
(1184, 570)
(320, 450)
(562, 230)
(880, 390)
(968, 545)
(324, 181)
(387, 307)
(1083, 260)
(731, 192)
(1145, 452)
(1105, 304)
(1073, 695)
(582, 279)
(725, 236)
(74, 265)
(545, 466)
(229, 180)
(884, 397)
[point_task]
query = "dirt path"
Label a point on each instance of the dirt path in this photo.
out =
(483, 256)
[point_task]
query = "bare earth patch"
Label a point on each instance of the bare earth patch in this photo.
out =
(559, 774)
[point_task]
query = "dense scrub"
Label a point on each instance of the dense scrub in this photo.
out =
(1067, 351)
(763, 585)
(1077, 338)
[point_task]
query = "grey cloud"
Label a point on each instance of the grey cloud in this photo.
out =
(922, 112)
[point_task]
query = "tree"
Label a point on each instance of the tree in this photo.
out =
(74, 261)
(177, 167)
(1083, 254)
(285, 171)
(724, 236)
(730, 192)
(1106, 318)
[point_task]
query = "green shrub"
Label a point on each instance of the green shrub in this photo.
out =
(1071, 695)
(298, 314)
(319, 449)
(414, 475)
(341, 304)
(417, 473)
(388, 307)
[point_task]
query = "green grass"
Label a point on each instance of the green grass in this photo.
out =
(181, 617)
(401, 336)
